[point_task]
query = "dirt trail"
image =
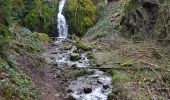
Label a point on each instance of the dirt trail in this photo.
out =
(50, 80)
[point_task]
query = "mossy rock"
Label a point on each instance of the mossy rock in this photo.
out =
(43, 37)
(110, 96)
(90, 56)
(127, 63)
(75, 57)
(80, 45)
(73, 73)
(78, 51)
(66, 47)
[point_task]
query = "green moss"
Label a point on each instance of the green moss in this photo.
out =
(43, 37)
(75, 57)
(127, 63)
(117, 77)
(75, 72)
(81, 15)
(110, 96)
(80, 45)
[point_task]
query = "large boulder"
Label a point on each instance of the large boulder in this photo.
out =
(140, 17)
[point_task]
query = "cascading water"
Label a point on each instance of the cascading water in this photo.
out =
(62, 25)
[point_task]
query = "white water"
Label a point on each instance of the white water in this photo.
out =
(62, 25)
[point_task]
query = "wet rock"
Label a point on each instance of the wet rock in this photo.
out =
(106, 87)
(90, 56)
(71, 98)
(74, 66)
(69, 91)
(91, 72)
(55, 52)
(87, 90)
(99, 81)
(55, 64)
(52, 58)
(75, 57)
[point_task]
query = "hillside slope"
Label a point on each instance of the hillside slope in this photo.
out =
(140, 69)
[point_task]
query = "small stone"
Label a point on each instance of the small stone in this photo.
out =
(74, 66)
(57, 95)
(69, 91)
(55, 52)
(105, 87)
(98, 81)
(52, 58)
(87, 90)
(71, 97)
(55, 64)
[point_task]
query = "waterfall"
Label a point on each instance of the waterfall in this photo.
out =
(62, 25)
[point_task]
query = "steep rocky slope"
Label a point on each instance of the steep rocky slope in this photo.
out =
(146, 18)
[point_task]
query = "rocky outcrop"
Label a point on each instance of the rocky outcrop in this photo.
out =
(141, 18)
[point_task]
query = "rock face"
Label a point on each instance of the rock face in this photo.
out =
(141, 18)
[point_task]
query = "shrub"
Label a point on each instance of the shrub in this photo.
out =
(43, 37)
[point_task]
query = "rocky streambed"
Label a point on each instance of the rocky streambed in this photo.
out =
(94, 85)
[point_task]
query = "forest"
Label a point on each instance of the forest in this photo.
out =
(84, 49)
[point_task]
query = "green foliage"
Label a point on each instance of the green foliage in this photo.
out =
(14, 85)
(117, 77)
(110, 96)
(5, 37)
(40, 18)
(127, 5)
(18, 9)
(162, 27)
(5, 11)
(166, 78)
(81, 15)
(28, 39)
(104, 26)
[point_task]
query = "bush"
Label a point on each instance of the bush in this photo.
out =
(43, 37)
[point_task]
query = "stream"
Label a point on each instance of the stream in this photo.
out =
(93, 86)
